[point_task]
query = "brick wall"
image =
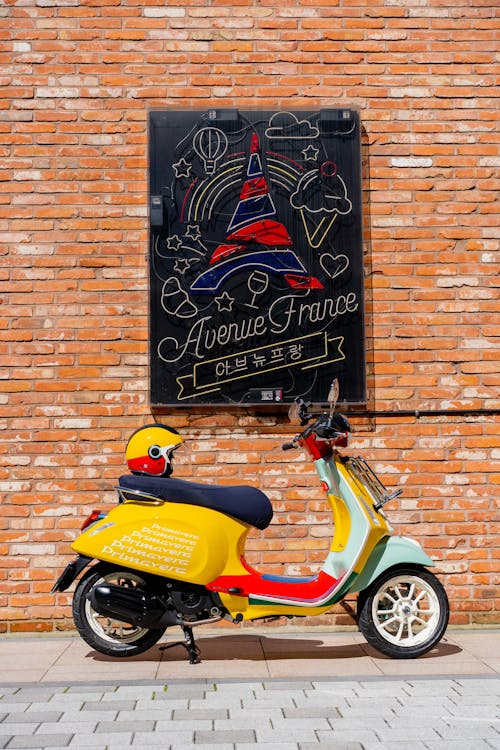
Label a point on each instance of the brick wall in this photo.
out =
(76, 83)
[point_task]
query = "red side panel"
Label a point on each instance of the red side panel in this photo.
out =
(256, 585)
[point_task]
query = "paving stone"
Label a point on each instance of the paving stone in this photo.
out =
(296, 724)
(145, 715)
(473, 684)
(69, 716)
(40, 741)
(164, 738)
(242, 722)
(41, 707)
(224, 736)
(475, 700)
(342, 687)
(17, 729)
(270, 703)
(240, 685)
(371, 705)
(85, 688)
(470, 731)
(163, 702)
(257, 715)
(131, 692)
(429, 687)
(179, 726)
(189, 691)
(287, 685)
(158, 709)
(9, 708)
(101, 741)
(32, 718)
(220, 702)
(34, 692)
(479, 744)
(347, 735)
(283, 735)
(331, 746)
(116, 705)
(324, 701)
(381, 687)
(73, 727)
(75, 700)
(192, 714)
(355, 723)
(311, 712)
(125, 726)
(400, 734)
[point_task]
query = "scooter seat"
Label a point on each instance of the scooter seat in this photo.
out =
(247, 504)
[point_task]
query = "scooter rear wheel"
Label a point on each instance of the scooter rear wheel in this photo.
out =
(104, 634)
(404, 613)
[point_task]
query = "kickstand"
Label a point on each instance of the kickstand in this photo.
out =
(188, 643)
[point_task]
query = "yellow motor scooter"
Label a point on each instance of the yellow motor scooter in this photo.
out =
(172, 552)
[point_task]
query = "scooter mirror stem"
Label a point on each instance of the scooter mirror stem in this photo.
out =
(333, 395)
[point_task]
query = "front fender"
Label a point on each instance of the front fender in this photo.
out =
(390, 551)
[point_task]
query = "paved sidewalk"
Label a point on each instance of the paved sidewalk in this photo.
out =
(284, 691)
(245, 653)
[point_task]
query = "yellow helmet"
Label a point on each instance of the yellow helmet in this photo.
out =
(150, 448)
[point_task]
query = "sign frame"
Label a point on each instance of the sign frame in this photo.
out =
(256, 257)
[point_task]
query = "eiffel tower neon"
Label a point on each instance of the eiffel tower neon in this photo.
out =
(255, 238)
(253, 218)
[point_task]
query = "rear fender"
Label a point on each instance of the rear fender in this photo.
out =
(391, 551)
(70, 573)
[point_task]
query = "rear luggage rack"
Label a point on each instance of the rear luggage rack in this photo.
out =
(377, 489)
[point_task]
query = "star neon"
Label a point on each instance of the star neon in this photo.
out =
(225, 302)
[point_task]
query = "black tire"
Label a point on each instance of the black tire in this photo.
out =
(404, 613)
(105, 635)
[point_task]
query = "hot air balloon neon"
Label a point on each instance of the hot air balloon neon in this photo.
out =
(210, 145)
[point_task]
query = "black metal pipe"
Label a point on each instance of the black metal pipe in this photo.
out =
(422, 412)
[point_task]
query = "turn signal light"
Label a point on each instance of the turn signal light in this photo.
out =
(94, 516)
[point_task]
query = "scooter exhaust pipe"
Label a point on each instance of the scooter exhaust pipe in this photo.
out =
(134, 606)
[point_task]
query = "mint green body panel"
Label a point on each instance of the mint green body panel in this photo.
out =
(390, 551)
(340, 563)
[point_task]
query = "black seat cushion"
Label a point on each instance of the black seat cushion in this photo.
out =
(247, 504)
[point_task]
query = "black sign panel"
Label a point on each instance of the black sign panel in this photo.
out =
(256, 265)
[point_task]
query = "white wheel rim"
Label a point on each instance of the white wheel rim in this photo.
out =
(406, 611)
(114, 631)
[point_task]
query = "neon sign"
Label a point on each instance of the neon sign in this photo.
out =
(256, 272)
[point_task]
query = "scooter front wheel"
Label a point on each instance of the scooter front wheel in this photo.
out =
(404, 613)
(106, 635)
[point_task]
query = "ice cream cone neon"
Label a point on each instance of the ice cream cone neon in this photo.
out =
(317, 236)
